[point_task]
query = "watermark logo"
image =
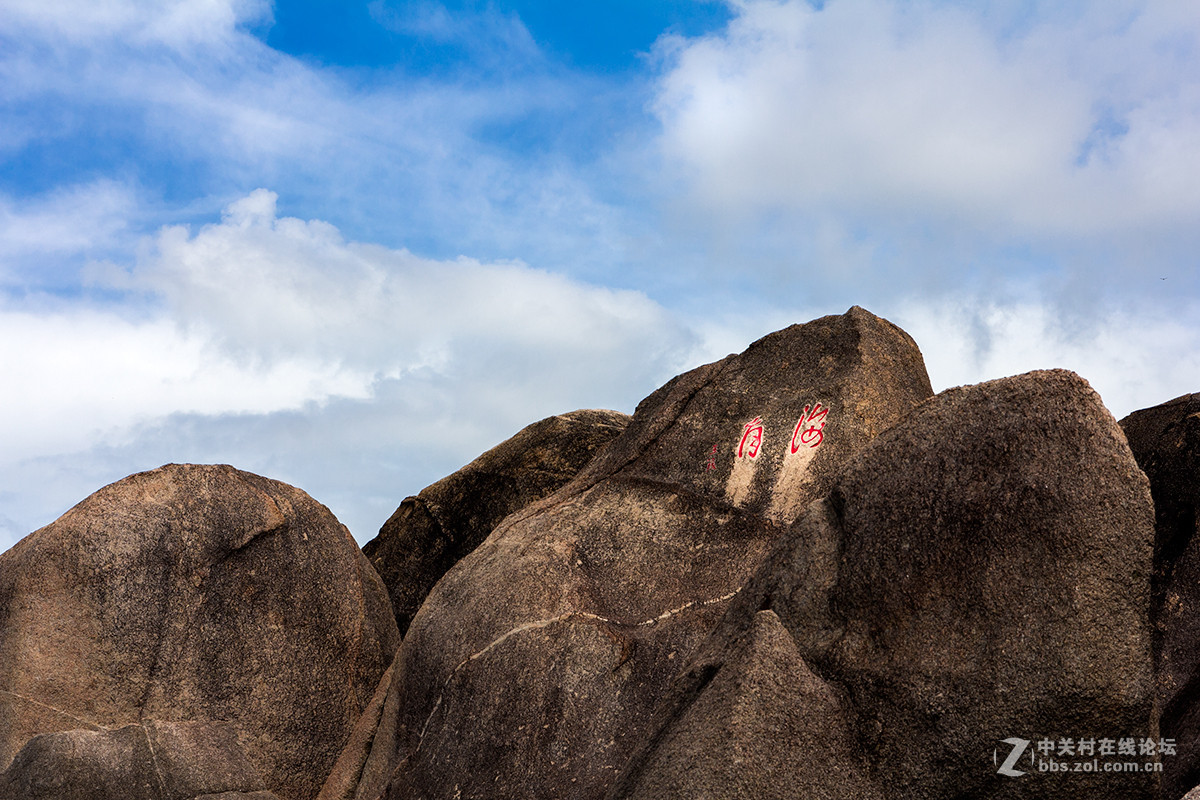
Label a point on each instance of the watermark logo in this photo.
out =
(1018, 748)
(1089, 754)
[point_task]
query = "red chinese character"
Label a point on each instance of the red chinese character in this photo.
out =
(712, 458)
(754, 434)
(808, 429)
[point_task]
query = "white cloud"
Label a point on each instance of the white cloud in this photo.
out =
(927, 112)
(71, 220)
(263, 287)
(391, 156)
(77, 378)
(261, 315)
(488, 29)
(1134, 358)
(173, 22)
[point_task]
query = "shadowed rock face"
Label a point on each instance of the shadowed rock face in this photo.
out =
(1166, 441)
(195, 593)
(533, 666)
(980, 571)
(151, 761)
(429, 533)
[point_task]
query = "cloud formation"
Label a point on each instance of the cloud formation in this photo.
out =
(270, 288)
(1072, 126)
(92, 218)
(970, 130)
(283, 321)
(1133, 359)
(259, 313)
(176, 23)
(441, 257)
(187, 108)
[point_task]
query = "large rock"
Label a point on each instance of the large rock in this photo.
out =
(429, 533)
(195, 593)
(757, 723)
(766, 431)
(150, 761)
(978, 573)
(533, 666)
(1166, 442)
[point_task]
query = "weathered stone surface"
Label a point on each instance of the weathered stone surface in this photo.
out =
(585, 619)
(759, 724)
(352, 769)
(534, 665)
(979, 572)
(429, 533)
(195, 593)
(863, 371)
(150, 761)
(1166, 442)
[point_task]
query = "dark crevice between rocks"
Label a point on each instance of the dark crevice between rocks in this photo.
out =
(407, 592)
(837, 503)
(435, 513)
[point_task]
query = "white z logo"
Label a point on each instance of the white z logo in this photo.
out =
(1018, 747)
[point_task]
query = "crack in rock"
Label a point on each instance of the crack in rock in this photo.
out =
(570, 616)
(31, 701)
(162, 783)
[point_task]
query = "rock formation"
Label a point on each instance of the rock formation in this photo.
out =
(533, 665)
(753, 720)
(793, 573)
(978, 573)
(429, 533)
(194, 593)
(1166, 441)
(150, 761)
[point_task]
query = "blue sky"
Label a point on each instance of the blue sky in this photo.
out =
(350, 245)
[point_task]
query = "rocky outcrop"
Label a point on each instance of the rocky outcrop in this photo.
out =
(979, 573)
(1166, 441)
(766, 431)
(195, 593)
(429, 533)
(758, 723)
(793, 573)
(533, 665)
(150, 761)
